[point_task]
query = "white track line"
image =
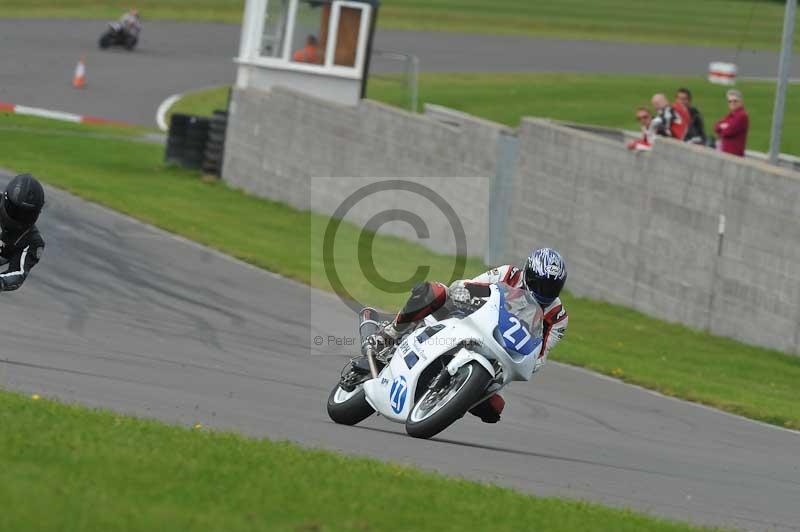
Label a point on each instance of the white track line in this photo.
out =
(46, 113)
(57, 115)
(161, 113)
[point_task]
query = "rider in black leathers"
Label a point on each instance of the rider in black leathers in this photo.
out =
(21, 245)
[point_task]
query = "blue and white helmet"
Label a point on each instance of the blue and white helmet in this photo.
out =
(545, 275)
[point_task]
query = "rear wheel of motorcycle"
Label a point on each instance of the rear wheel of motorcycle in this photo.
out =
(105, 40)
(438, 409)
(348, 408)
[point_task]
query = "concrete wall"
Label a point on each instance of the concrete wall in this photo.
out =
(314, 154)
(637, 228)
(641, 229)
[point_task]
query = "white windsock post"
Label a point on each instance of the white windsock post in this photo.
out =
(784, 65)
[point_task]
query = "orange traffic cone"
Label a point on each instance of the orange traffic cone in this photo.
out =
(79, 79)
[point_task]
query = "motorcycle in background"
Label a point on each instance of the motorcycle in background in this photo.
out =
(119, 34)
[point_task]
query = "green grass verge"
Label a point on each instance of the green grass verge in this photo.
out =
(95, 470)
(727, 23)
(599, 99)
(130, 177)
(200, 102)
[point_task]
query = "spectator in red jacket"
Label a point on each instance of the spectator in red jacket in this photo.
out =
(732, 129)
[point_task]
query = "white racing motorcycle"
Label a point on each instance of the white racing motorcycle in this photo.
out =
(446, 366)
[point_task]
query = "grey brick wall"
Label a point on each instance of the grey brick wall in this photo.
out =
(313, 154)
(637, 229)
(641, 229)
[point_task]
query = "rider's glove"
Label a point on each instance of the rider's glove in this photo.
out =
(377, 342)
(458, 293)
(388, 336)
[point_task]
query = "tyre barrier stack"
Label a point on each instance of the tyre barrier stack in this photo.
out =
(197, 142)
(186, 140)
(215, 144)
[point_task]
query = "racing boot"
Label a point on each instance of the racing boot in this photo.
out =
(425, 299)
(385, 339)
(489, 410)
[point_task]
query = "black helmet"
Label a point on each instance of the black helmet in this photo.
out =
(545, 275)
(21, 203)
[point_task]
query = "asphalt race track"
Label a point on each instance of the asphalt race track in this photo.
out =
(124, 316)
(38, 58)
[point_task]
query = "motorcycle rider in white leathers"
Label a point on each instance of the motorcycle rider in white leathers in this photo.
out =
(131, 22)
(543, 274)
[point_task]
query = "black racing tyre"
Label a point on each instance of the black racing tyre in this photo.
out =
(175, 140)
(105, 40)
(197, 136)
(194, 146)
(348, 408)
(434, 412)
(179, 122)
(215, 136)
(130, 42)
(194, 154)
(173, 157)
(174, 151)
(192, 159)
(192, 162)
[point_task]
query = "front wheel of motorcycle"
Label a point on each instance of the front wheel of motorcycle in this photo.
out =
(348, 408)
(440, 407)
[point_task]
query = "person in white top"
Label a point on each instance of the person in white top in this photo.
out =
(131, 22)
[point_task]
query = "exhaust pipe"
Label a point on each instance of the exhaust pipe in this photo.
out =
(367, 326)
